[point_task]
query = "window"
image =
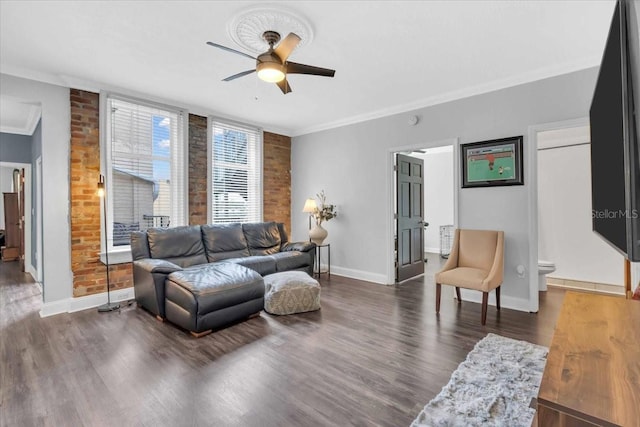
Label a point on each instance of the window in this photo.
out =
(236, 173)
(145, 156)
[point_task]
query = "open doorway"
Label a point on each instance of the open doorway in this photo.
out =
(21, 145)
(18, 185)
(570, 254)
(438, 198)
(438, 195)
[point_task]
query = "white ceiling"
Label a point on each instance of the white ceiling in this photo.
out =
(389, 56)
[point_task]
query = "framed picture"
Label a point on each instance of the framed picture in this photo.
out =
(492, 163)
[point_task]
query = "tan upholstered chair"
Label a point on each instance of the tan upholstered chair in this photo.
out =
(476, 262)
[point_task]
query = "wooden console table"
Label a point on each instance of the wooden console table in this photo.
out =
(592, 375)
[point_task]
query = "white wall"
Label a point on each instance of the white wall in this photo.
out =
(438, 193)
(57, 283)
(350, 163)
(565, 234)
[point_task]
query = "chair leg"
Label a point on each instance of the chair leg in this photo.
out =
(485, 300)
(498, 297)
(438, 292)
(458, 295)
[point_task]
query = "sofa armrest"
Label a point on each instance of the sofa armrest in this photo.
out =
(157, 265)
(149, 276)
(298, 246)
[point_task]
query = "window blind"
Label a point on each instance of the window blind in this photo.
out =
(236, 173)
(145, 171)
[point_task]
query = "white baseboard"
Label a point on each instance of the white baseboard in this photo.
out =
(34, 275)
(91, 301)
(379, 279)
(32, 271)
(54, 307)
(71, 305)
(432, 250)
(519, 304)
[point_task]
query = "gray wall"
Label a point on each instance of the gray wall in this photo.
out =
(36, 151)
(351, 164)
(15, 148)
(56, 120)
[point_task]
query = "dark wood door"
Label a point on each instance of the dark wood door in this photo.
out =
(409, 217)
(11, 249)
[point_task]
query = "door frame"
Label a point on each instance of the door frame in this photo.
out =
(389, 239)
(532, 178)
(28, 268)
(38, 210)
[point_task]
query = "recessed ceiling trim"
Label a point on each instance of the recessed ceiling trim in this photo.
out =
(28, 121)
(246, 29)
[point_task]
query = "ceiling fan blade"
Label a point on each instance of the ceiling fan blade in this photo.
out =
(235, 76)
(286, 46)
(228, 49)
(284, 86)
(294, 68)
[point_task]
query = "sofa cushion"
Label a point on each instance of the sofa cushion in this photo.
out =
(263, 238)
(139, 245)
(216, 286)
(261, 264)
(466, 277)
(291, 260)
(179, 245)
(284, 237)
(223, 241)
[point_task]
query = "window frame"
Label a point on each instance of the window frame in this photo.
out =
(122, 253)
(259, 164)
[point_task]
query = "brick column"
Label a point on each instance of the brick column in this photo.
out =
(197, 170)
(276, 185)
(89, 274)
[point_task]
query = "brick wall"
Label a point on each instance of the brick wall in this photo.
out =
(197, 170)
(276, 185)
(89, 274)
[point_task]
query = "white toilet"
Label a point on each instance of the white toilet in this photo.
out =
(544, 268)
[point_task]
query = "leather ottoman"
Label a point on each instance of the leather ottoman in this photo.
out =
(291, 292)
(211, 296)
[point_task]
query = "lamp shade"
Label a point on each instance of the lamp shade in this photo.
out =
(310, 206)
(100, 191)
(270, 72)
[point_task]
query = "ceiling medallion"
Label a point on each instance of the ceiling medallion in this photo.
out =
(246, 28)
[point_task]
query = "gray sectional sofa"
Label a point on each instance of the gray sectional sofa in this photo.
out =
(204, 277)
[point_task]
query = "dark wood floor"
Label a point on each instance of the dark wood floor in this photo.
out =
(373, 356)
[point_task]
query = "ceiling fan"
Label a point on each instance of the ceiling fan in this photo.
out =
(272, 66)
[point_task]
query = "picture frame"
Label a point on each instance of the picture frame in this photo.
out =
(492, 163)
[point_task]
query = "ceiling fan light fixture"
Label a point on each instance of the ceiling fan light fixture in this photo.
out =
(271, 72)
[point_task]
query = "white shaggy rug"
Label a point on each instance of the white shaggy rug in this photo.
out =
(492, 387)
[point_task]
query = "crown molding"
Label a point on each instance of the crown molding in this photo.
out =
(534, 75)
(97, 87)
(529, 77)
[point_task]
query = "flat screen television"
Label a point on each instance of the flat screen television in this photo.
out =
(615, 145)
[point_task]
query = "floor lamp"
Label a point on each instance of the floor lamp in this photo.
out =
(102, 193)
